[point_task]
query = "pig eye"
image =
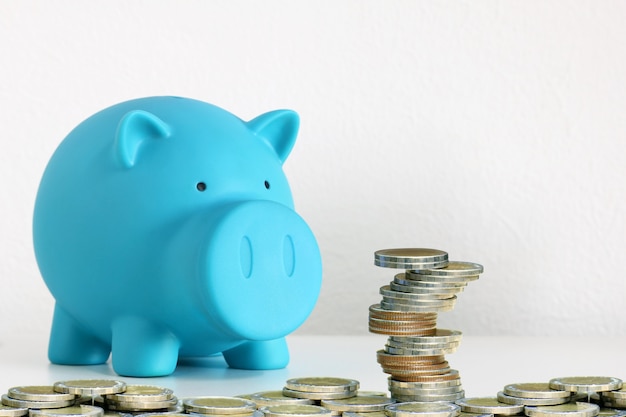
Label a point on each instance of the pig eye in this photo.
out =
(267, 184)
(201, 186)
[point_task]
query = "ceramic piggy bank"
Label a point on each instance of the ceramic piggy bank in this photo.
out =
(164, 227)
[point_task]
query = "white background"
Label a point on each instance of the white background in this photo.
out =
(494, 130)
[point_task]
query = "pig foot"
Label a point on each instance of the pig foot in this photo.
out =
(70, 344)
(270, 354)
(142, 349)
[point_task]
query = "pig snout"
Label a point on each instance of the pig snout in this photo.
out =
(263, 270)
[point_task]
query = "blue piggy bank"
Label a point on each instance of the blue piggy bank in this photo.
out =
(164, 227)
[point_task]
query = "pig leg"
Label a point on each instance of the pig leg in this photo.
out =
(269, 354)
(70, 344)
(141, 348)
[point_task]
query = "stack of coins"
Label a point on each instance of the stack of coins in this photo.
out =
(141, 398)
(414, 355)
(321, 388)
(560, 397)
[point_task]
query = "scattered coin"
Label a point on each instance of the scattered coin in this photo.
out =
(72, 411)
(359, 403)
(295, 410)
(38, 393)
(8, 411)
(219, 405)
(422, 409)
(490, 405)
(535, 390)
(578, 409)
(266, 398)
(509, 399)
(586, 384)
(90, 387)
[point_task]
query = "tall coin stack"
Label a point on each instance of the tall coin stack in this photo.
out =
(414, 355)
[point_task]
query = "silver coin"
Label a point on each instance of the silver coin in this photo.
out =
(619, 394)
(417, 276)
(455, 389)
(265, 398)
(395, 343)
(218, 405)
(293, 410)
(440, 336)
(412, 296)
(366, 414)
(386, 305)
(508, 399)
(534, 390)
(38, 393)
(413, 280)
(421, 352)
(90, 387)
(429, 397)
(432, 292)
(8, 411)
(12, 402)
(488, 405)
(578, 409)
(586, 384)
(422, 409)
(393, 383)
(72, 411)
(455, 269)
(411, 258)
(142, 393)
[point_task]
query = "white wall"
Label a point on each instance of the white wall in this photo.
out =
(494, 130)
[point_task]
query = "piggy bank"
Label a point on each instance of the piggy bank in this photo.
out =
(164, 227)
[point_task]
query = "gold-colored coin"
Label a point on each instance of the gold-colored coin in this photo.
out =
(491, 405)
(13, 402)
(319, 395)
(586, 384)
(619, 394)
(375, 310)
(322, 384)
(452, 374)
(142, 393)
(578, 409)
(384, 357)
(265, 398)
(38, 393)
(534, 390)
(73, 411)
(359, 403)
(218, 405)
(294, 410)
(90, 387)
(134, 406)
(8, 411)
(509, 399)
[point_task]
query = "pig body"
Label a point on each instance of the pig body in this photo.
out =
(164, 227)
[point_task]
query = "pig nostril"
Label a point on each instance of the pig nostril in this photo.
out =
(245, 256)
(289, 256)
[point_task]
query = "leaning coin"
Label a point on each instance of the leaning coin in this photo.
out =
(534, 390)
(141, 393)
(265, 398)
(12, 402)
(411, 258)
(455, 269)
(586, 384)
(218, 405)
(38, 393)
(295, 410)
(8, 411)
(322, 384)
(578, 409)
(422, 409)
(509, 399)
(488, 405)
(73, 411)
(619, 394)
(359, 403)
(90, 387)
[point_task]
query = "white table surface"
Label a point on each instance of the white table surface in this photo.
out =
(485, 364)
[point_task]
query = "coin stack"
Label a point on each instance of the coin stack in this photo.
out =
(560, 397)
(321, 388)
(414, 355)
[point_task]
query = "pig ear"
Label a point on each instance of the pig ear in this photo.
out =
(135, 128)
(279, 128)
